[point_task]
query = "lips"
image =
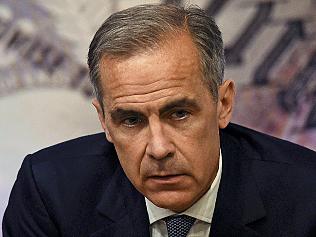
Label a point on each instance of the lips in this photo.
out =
(164, 176)
(166, 179)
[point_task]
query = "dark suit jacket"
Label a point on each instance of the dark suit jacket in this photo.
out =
(78, 188)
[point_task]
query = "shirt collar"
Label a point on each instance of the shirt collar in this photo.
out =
(202, 210)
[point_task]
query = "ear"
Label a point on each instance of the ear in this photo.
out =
(226, 95)
(101, 116)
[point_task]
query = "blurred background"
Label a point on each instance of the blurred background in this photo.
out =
(45, 95)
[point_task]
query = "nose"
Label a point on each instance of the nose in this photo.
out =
(159, 145)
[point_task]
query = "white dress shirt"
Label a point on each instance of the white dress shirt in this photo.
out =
(202, 210)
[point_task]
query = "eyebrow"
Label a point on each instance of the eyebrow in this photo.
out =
(120, 113)
(179, 103)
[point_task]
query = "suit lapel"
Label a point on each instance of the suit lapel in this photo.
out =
(238, 201)
(125, 209)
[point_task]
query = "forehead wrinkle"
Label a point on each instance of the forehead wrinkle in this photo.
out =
(117, 78)
(132, 102)
(117, 83)
(151, 94)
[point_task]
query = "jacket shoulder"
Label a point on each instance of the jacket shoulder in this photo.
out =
(273, 178)
(73, 162)
(94, 144)
(268, 148)
(59, 187)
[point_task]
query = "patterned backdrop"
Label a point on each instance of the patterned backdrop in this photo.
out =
(45, 94)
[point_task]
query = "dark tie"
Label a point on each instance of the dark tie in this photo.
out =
(179, 226)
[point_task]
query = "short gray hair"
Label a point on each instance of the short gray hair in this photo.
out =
(136, 29)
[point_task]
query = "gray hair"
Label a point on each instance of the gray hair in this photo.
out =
(140, 28)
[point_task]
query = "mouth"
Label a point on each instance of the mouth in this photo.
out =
(166, 179)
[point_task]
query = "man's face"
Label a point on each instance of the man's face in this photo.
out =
(163, 122)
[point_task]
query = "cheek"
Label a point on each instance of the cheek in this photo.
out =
(201, 134)
(130, 151)
(201, 149)
(208, 153)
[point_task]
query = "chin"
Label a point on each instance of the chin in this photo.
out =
(173, 200)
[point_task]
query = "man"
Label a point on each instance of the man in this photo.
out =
(171, 164)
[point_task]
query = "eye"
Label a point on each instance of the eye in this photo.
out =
(180, 115)
(131, 121)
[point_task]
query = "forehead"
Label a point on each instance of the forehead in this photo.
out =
(152, 74)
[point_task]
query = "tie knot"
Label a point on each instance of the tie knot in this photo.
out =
(179, 225)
